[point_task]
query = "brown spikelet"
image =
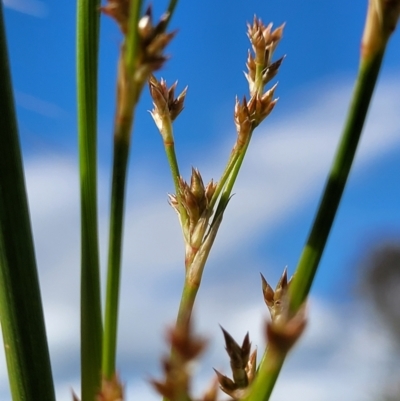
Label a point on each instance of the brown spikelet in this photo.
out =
(285, 328)
(186, 347)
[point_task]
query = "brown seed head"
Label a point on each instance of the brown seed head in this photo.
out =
(243, 366)
(166, 105)
(278, 300)
(195, 200)
(186, 347)
(260, 67)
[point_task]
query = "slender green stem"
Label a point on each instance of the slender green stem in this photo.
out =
(312, 252)
(91, 324)
(120, 163)
(132, 42)
(221, 183)
(230, 182)
(21, 312)
(169, 146)
(173, 164)
(186, 304)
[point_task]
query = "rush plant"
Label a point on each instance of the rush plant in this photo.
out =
(200, 209)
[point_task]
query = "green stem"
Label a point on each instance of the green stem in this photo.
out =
(173, 165)
(132, 42)
(312, 252)
(187, 302)
(221, 183)
(230, 182)
(120, 163)
(267, 375)
(21, 312)
(91, 324)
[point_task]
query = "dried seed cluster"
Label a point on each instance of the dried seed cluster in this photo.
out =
(166, 106)
(195, 200)
(152, 38)
(243, 366)
(260, 67)
(285, 328)
(260, 71)
(186, 347)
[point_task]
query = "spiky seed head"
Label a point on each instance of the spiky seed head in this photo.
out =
(239, 357)
(278, 300)
(164, 101)
(264, 42)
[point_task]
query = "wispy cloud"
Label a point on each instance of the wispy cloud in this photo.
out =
(283, 170)
(42, 107)
(35, 8)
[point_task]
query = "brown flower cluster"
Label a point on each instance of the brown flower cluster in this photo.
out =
(152, 38)
(249, 114)
(195, 201)
(166, 106)
(186, 347)
(243, 366)
(260, 67)
(285, 328)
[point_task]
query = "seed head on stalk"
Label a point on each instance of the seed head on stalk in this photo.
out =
(195, 199)
(167, 107)
(260, 67)
(284, 329)
(243, 366)
(151, 43)
(177, 371)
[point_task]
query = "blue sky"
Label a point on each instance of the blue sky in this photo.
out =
(277, 192)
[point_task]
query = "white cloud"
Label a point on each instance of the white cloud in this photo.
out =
(35, 8)
(284, 169)
(42, 107)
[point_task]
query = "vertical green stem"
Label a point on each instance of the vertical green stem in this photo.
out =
(120, 162)
(91, 324)
(21, 312)
(312, 252)
(272, 362)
